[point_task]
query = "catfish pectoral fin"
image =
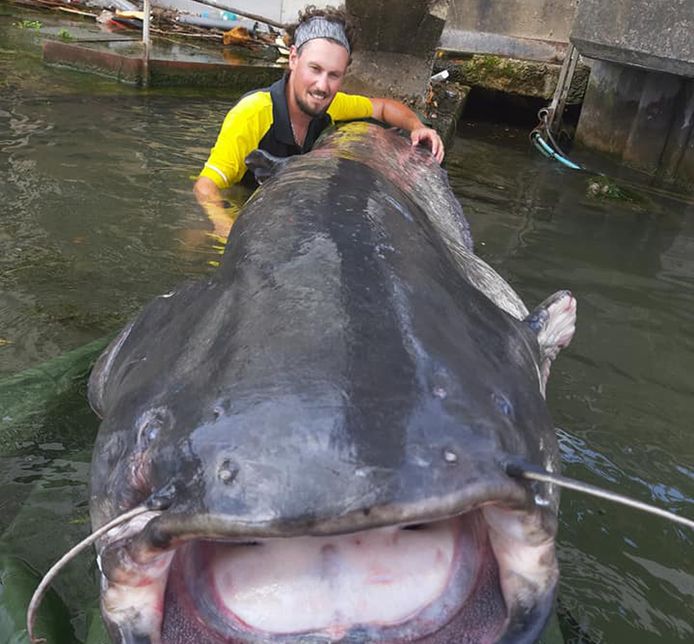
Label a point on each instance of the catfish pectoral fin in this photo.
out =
(554, 322)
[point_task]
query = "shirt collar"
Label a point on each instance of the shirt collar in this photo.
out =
(280, 111)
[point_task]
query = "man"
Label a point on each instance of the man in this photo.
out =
(287, 118)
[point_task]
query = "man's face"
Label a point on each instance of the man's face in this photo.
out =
(316, 75)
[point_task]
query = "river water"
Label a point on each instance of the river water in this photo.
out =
(97, 216)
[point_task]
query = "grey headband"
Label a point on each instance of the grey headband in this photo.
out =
(319, 27)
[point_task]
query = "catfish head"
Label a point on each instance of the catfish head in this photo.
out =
(321, 428)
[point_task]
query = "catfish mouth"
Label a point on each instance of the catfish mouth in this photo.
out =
(386, 584)
(445, 581)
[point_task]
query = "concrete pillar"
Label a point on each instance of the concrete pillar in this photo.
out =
(645, 118)
(397, 43)
(678, 152)
(639, 104)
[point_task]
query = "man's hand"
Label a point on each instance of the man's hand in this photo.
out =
(397, 114)
(429, 138)
(222, 220)
(218, 212)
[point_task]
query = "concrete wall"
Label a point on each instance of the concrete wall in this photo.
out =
(653, 34)
(538, 19)
(530, 29)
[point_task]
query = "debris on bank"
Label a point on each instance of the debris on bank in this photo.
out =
(260, 38)
(444, 104)
(178, 48)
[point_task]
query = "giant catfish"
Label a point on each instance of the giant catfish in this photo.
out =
(320, 429)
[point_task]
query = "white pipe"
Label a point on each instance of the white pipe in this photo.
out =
(219, 4)
(145, 43)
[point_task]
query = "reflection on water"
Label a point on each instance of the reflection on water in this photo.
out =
(623, 390)
(97, 216)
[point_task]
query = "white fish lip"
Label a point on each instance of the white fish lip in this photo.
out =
(361, 581)
(132, 592)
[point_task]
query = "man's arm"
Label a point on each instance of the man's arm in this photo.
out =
(210, 199)
(207, 192)
(243, 128)
(397, 114)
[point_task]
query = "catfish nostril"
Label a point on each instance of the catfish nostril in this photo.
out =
(227, 472)
(150, 432)
(503, 404)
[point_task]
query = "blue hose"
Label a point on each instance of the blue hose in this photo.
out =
(544, 147)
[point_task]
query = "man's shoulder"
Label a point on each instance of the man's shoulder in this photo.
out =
(350, 106)
(261, 98)
(257, 99)
(346, 96)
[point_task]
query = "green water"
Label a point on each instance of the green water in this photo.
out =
(96, 217)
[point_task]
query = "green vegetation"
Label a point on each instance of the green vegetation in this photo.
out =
(29, 24)
(65, 35)
(606, 188)
(17, 583)
(503, 74)
(48, 403)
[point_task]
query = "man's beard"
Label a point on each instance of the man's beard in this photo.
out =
(308, 110)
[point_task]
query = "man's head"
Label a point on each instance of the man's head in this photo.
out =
(320, 52)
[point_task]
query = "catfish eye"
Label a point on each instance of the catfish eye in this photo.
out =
(150, 426)
(503, 404)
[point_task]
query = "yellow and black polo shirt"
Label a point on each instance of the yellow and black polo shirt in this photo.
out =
(261, 120)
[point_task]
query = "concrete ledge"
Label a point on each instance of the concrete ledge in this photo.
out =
(444, 108)
(475, 42)
(128, 68)
(633, 57)
(520, 77)
(124, 68)
(236, 77)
